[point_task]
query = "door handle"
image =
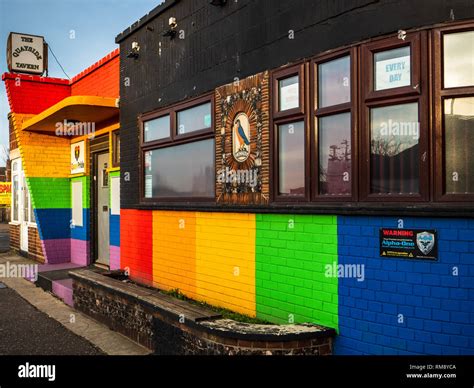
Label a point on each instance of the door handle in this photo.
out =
(105, 208)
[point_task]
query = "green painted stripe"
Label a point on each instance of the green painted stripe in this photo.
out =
(50, 193)
(292, 252)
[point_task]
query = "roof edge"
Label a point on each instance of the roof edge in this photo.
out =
(158, 10)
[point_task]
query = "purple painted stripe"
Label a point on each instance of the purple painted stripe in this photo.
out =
(57, 250)
(79, 252)
(114, 257)
(63, 290)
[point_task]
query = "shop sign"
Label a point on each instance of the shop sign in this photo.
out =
(409, 243)
(393, 73)
(5, 193)
(26, 53)
(77, 158)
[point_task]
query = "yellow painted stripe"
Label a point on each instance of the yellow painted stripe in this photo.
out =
(225, 260)
(174, 251)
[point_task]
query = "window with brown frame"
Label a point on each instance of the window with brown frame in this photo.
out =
(395, 161)
(333, 139)
(178, 152)
(290, 134)
(454, 112)
(116, 148)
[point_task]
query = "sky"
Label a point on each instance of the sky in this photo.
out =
(93, 24)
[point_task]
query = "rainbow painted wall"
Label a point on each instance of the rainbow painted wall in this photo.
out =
(46, 160)
(275, 267)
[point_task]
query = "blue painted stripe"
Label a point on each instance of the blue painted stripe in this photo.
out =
(53, 223)
(115, 230)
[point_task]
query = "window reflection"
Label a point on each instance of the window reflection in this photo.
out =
(180, 171)
(335, 154)
(459, 59)
(395, 134)
(291, 158)
(459, 137)
(334, 82)
(156, 129)
(194, 119)
(288, 93)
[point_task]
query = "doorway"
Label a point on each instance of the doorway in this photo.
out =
(100, 188)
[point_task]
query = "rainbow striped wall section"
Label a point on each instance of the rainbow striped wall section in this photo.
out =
(46, 164)
(284, 268)
(114, 225)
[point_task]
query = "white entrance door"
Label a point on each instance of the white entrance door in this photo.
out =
(103, 232)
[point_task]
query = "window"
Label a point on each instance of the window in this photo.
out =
(288, 93)
(454, 113)
(459, 143)
(157, 129)
(458, 57)
(15, 191)
(116, 149)
(288, 87)
(394, 151)
(185, 170)
(194, 119)
(395, 158)
(291, 159)
(178, 152)
(333, 137)
(290, 170)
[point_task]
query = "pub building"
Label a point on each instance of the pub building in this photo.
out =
(64, 151)
(306, 161)
(295, 162)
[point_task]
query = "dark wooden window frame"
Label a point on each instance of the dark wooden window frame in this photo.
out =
(115, 148)
(350, 107)
(440, 94)
(418, 91)
(173, 140)
(286, 117)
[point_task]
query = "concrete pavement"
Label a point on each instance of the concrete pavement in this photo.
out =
(45, 322)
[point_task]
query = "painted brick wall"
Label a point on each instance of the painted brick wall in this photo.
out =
(437, 307)
(291, 254)
(100, 79)
(32, 94)
(136, 249)
(80, 234)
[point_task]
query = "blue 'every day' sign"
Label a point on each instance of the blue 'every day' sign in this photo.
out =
(393, 73)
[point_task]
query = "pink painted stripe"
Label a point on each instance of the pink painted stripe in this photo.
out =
(114, 257)
(57, 250)
(63, 290)
(79, 252)
(56, 267)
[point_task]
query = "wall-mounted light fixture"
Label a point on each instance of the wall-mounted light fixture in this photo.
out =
(218, 3)
(171, 32)
(134, 52)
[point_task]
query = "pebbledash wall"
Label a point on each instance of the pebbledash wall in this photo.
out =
(272, 261)
(47, 165)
